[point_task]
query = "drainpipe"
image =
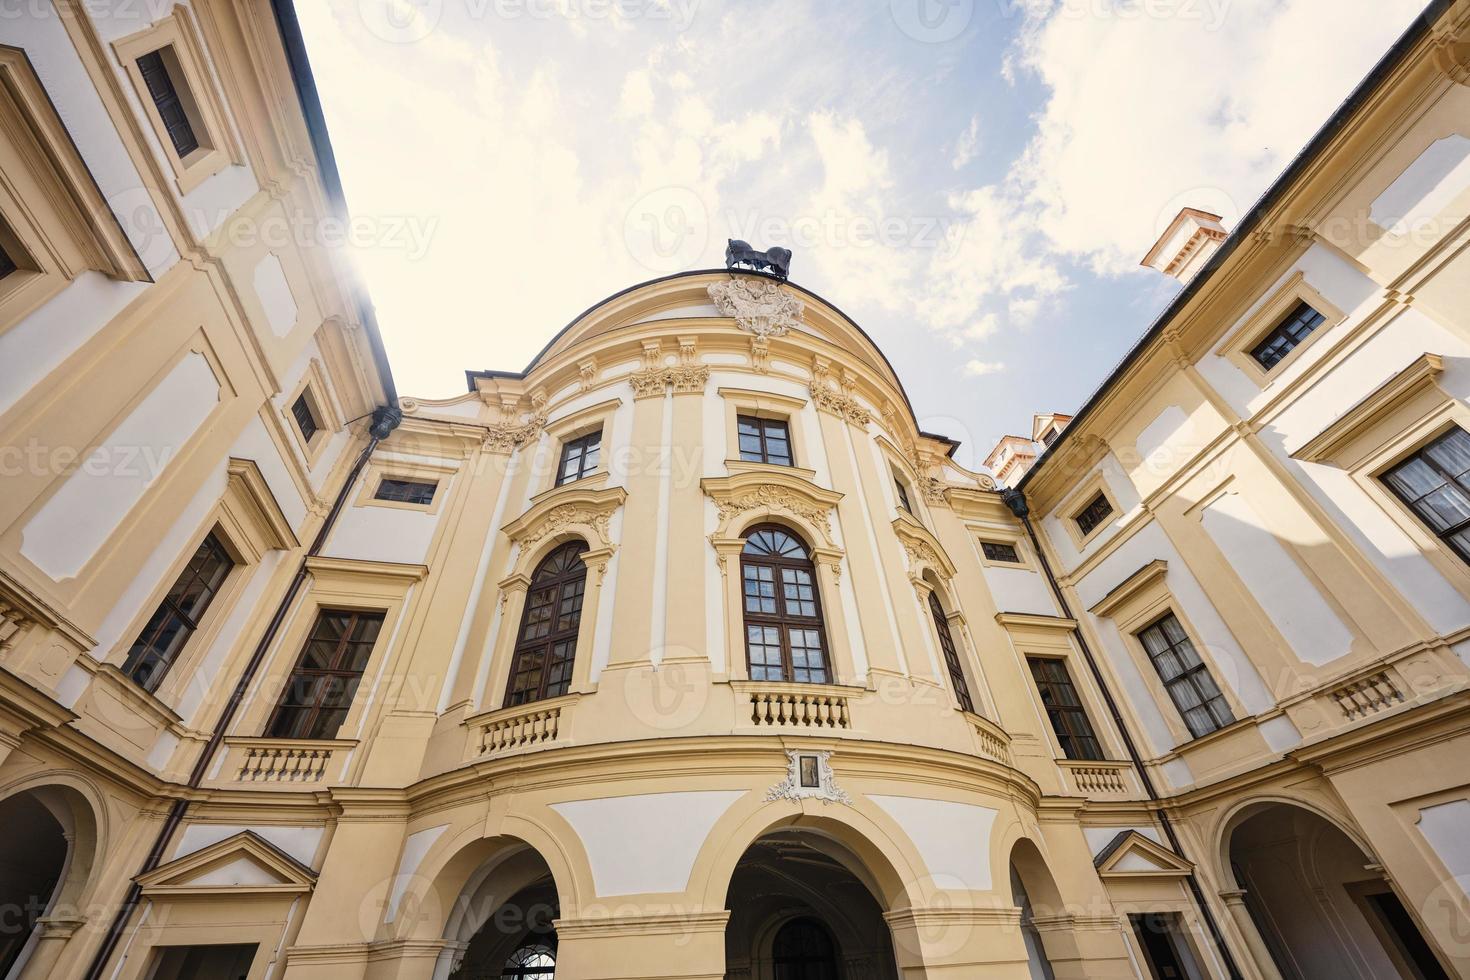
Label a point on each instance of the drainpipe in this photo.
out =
(385, 420)
(1016, 501)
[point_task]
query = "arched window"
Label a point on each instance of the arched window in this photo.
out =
(951, 654)
(547, 643)
(533, 961)
(784, 637)
(803, 951)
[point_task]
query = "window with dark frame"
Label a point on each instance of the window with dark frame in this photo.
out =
(178, 615)
(1094, 513)
(406, 491)
(1048, 436)
(764, 440)
(546, 645)
(305, 418)
(1434, 483)
(785, 638)
(903, 495)
(163, 90)
(325, 678)
(1000, 551)
(1064, 708)
(579, 457)
(951, 654)
(1186, 677)
(1290, 332)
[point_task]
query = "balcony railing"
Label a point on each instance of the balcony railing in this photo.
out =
(531, 725)
(1095, 778)
(280, 761)
(810, 706)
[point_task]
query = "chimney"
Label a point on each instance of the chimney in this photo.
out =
(1187, 244)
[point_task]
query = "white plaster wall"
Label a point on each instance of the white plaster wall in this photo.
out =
(1019, 590)
(384, 533)
(1446, 826)
(39, 343)
(645, 843)
(415, 846)
(275, 296)
(254, 443)
(79, 517)
(952, 838)
(1311, 628)
(1425, 188)
(300, 843)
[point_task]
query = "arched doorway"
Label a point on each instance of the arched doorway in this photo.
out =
(505, 917)
(1320, 904)
(45, 858)
(800, 910)
(1034, 892)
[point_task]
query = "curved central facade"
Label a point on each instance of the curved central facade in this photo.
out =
(729, 622)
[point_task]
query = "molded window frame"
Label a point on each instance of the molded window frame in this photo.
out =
(249, 523)
(578, 425)
(387, 466)
(764, 405)
(1082, 707)
(780, 619)
(1267, 317)
(179, 34)
(54, 222)
(313, 386)
(1080, 500)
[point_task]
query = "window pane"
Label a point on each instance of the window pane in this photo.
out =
(550, 623)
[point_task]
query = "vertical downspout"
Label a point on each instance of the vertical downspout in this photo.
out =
(385, 420)
(1016, 501)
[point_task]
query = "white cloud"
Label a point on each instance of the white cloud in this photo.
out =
(1204, 104)
(967, 145)
(979, 369)
(637, 95)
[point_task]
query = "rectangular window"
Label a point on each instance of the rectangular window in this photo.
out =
(1435, 484)
(1093, 514)
(406, 491)
(326, 675)
(178, 615)
(1000, 551)
(764, 440)
(1186, 677)
(171, 107)
(1300, 322)
(1064, 708)
(579, 457)
(1048, 436)
(305, 417)
(903, 495)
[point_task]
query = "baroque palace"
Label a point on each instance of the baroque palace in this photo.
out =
(684, 652)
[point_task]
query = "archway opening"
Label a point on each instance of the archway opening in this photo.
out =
(1034, 892)
(33, 862)
(507, 921)
(1321, 906)
(800, 909)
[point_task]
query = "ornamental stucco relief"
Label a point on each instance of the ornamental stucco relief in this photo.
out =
(758, 305)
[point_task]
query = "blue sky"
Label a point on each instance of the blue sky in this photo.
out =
(973, 181)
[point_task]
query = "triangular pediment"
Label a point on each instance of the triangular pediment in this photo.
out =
(240, 864)
(1132, 855)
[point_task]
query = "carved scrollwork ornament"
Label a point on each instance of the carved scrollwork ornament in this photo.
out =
(792, 788)
(758, 306)
(506, 437)
(778, 498)
(559, 518)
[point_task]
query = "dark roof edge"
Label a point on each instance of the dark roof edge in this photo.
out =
(321, 144)
(1314, 148)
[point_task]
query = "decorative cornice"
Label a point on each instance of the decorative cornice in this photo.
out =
(653, 380)
(758, 306)
(1129, 587)
(923, 549)
(1417, 377)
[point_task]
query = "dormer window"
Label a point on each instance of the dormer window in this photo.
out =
(305, 417)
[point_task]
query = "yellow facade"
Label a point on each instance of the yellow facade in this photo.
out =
(302, 679)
